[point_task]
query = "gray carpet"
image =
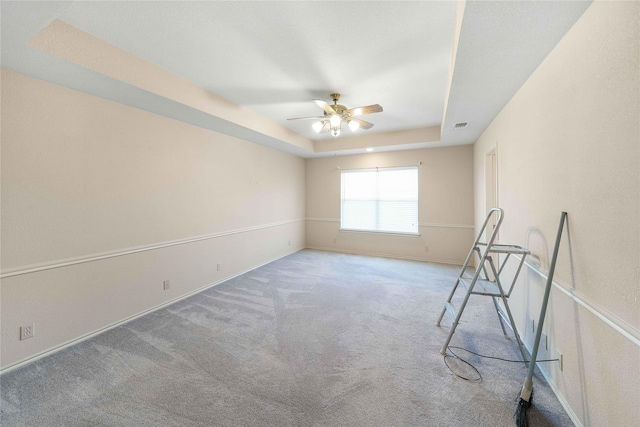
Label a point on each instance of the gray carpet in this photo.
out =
(313, 339)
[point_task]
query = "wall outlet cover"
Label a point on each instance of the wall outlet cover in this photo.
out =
(27, 331)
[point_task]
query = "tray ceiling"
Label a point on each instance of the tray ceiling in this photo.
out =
(243, 68)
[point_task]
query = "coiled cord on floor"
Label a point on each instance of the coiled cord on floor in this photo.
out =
(479, 378)
(446, 356)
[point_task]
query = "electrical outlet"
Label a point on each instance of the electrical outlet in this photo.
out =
(528, 335)
(426, 248)
(27, 331)
(166, 284)
(289, 242)
(561, 360)
(219, 267)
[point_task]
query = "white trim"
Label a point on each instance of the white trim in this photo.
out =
(375, 168)
(438, 225)
(130, 318)
(17, 271)
(323, 219)
(392, 233)
(420, 224)
(382, 255)
(617, 324)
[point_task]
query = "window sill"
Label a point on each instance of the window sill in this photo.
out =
(390, 233)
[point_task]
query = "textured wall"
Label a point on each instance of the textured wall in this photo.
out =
(105, 192)
(445, 211)
(569, 141)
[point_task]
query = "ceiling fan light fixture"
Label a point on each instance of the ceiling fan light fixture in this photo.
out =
(336, 115)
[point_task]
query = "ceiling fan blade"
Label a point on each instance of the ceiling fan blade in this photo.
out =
(362, 123)
(326, 107)
(375, 108)
(325, 128)
(308, 118)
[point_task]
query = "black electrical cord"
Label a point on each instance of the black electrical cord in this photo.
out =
(479, 379)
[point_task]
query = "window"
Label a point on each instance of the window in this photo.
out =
(381, 199)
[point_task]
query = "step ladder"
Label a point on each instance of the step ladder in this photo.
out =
(486, 278)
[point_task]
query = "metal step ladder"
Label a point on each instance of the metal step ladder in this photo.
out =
(486, 278)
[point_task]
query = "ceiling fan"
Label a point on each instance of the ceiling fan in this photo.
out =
(336, 115)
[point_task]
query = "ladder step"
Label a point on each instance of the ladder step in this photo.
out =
(451, 311)
(482, 286)
(486, 287)
(465, 284)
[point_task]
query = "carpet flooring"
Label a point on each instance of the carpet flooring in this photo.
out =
(312, 339)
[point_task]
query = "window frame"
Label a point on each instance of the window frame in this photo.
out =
(378, 200)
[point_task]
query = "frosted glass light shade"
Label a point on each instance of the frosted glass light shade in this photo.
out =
(317, 126)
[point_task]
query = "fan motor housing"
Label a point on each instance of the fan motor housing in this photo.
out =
(340, 109)
(337, 107)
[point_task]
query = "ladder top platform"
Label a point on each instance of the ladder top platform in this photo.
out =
(507, 249)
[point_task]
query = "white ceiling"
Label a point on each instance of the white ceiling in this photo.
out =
(429, 64)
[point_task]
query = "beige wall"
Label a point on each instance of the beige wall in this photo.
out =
(570, 141)
(118, 200)
(445, 211)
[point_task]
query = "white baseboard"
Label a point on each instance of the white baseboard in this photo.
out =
(383, 255)
(556, 391)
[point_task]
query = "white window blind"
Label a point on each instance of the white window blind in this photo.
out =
(384, 200)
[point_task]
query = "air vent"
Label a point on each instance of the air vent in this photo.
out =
(461, 125)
